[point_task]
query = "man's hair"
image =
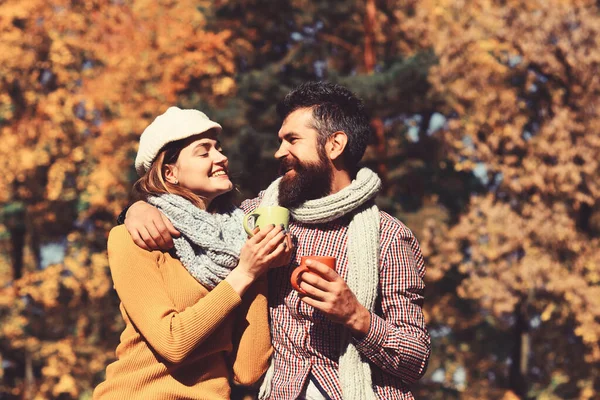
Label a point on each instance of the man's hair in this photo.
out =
(334, 108)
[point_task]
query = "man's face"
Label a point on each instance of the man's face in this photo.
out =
(305, 168)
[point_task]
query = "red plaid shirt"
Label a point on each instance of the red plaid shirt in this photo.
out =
(307, 342)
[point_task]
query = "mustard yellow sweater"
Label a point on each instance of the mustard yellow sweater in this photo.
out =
(180, 340)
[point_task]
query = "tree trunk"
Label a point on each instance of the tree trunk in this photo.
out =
(28, 391)
(369, 36)
(381, 150)
(17, 241)
(369, 62)
(520, 356)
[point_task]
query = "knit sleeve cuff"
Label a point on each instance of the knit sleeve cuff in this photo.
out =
(214, 307)
(225, 295)
(372, 343)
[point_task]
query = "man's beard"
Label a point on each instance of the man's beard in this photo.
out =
(310, 181)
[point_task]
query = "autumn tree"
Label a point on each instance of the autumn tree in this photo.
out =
(520, 87)
(80, 80)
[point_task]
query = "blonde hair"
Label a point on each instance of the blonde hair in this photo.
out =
(153, 182)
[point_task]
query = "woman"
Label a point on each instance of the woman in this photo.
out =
(197, 319)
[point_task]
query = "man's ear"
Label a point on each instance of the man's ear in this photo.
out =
(170, 172)
(336, 144)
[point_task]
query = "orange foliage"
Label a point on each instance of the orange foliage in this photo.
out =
(522, 80)
(80, 81)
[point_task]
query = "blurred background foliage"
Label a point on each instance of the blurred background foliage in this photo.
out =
(486, 114)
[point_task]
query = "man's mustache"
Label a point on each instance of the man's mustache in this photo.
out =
(287, 164)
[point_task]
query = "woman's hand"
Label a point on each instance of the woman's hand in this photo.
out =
(268, 247)
(262, 250)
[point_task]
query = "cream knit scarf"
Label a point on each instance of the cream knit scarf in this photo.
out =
(363, 266)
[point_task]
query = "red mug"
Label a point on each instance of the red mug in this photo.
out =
(302, 268)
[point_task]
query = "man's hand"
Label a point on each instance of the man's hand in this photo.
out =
(149, 228)
(329, 293)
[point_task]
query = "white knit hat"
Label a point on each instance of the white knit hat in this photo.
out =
(173, 125)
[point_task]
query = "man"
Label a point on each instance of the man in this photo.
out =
(359, 331)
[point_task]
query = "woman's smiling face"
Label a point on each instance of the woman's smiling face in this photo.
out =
(201, 167)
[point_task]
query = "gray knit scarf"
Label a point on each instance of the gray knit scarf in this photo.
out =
(363, 267)
(210, 244)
